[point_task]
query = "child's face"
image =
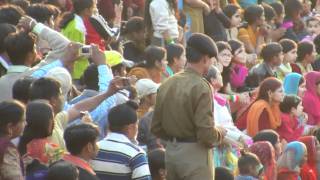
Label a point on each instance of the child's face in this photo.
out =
(313, 27)
(240, 56)
(298, 110)
(290, 56)
(224, 57)
(310, 58)
(236, 19)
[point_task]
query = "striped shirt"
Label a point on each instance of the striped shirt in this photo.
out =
(119, 159)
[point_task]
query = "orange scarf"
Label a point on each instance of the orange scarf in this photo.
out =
(255, 112)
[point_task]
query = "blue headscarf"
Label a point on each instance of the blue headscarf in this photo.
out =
(291, 83)
(298, 148)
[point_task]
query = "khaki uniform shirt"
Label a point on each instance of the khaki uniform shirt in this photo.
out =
(184, 109)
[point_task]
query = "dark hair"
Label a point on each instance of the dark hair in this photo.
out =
(269, 84)
(198, 46)
(253, 13)
(246, 160)
(40, 12)
(10, 112)
(10, 14)
(5, 30)
(122, 115)
(174, 51)
(23, 4)
(18, 46)
(278, 7)
(267, 135)
(223, 173)
(304, 48)
(90, 77)
(230, 9)
(77, 137)
(62, 170)
(292, 7)
(212, 73)
(289, 102)
(222, 45)
(20, 89)
(39, 114)
(270, 50)
(287, 45)
(235, 45)
(156, 160)
(134, 24)
(152, 54)
(269, 12)
(311, 19)
(316, 42)
(44, 88)
(78, 7)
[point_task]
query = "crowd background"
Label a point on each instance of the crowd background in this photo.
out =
(134, 89)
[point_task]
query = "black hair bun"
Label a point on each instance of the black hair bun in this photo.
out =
(134, 105)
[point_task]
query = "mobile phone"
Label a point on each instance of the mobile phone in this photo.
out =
(86, 50)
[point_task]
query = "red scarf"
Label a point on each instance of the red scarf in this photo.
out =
(79, 162)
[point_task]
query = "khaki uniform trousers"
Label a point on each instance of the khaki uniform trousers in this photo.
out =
(189, 161)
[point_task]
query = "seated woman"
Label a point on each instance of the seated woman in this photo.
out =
(294, 84)
(265, 152)
(264, 112)
(306, 56)
(154, 65)
(253, 34)
(291, 109)
(309, 169)
(35, 142)
(311, 98)
(291, 160)
(12, 123)
(176, 57)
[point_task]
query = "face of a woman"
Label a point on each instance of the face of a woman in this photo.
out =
(277, 95)
(240, 55)
(17, 129)
(182, 61)
(236, 19)
(224, 57)
(302, 89)
(298, 110)
(291, 56)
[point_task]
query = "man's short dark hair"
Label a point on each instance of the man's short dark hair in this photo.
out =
(18, 45)
(278, 8)
(287, 45)
(122, 115)
(10, 14)
(62, 170)
(90, 77)
(292, 7)
(246, 160)
(77, 137)
(10, 112)
(304, 48)
(270, 50)
(45, 88)
(267, 135)
(5, 30)
(20, 89)
(40, 12)
(198, 46)
(269, 12)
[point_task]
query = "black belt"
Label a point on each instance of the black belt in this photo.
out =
(183, 140)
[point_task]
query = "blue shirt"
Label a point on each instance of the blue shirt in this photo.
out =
(119, 159)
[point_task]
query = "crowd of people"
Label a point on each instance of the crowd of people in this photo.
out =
(159, 89)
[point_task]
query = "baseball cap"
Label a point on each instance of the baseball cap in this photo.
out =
(146, 87)
(114, 58)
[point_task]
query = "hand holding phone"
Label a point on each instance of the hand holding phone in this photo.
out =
(86, 51)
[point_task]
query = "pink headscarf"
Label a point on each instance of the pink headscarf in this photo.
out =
(311, 99)
(265, 152)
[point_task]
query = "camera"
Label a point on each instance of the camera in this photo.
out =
(86, 51)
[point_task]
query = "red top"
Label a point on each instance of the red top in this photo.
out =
(289, 128)
(285, 174)
(93, 36)
(295, 68)
(306, 173)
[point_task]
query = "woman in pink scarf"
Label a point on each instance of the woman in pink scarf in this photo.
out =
(311, 99)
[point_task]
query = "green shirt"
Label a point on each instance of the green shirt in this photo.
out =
(184, 109)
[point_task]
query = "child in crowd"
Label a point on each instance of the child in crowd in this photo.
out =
(249, 167)
(176, 57)
(313, 28)
(289, 49)
(295, 84)
(293, 120)
(306, 56)
(156, 160)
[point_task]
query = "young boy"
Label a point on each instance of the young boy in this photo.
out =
(306, 56)
(272, 58)
(313, 26)
(249, 167)
(289, 56)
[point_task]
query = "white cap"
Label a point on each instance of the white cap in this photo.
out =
(146, 87)
(63, 77)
